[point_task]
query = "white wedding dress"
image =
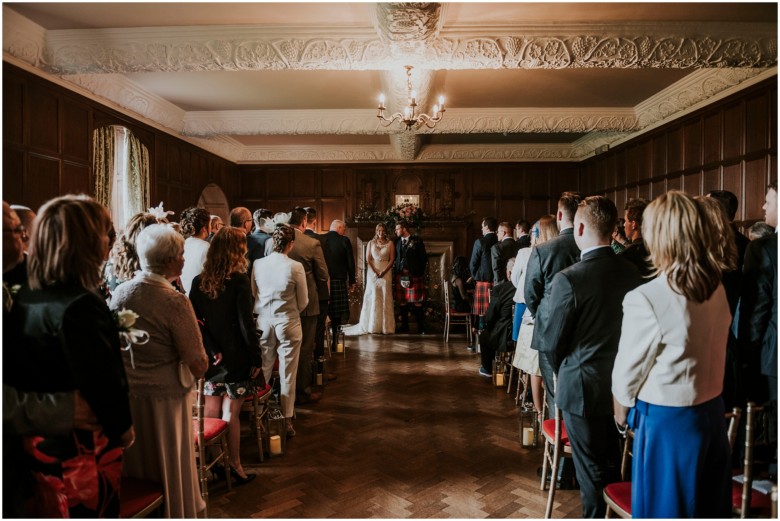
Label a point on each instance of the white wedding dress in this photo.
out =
(377, 314)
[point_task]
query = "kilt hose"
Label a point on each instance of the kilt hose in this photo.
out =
(481, 298)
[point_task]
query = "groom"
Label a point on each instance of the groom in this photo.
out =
(410, 263)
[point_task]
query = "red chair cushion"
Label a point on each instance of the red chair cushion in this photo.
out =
(548, 426)
(260, 393)
(758, 500)
(620, 493)
(212, 427)
(137, 494)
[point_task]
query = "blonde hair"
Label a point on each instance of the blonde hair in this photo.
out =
(548, 229)
(722, 237)
(226, 255)
(376, 230)
(66, 244)
(124, 255)
(682, 242)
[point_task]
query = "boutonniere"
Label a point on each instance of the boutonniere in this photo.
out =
(10, 295)
(125, 320)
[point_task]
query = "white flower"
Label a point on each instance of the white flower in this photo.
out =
(159, 212)
(125, 319)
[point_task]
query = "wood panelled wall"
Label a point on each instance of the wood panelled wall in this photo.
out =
(729, 145)
(47, 147)
(508, 191)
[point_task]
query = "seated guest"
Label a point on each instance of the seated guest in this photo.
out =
(497, 335)
(195, 224)
(222, 298)
(279, 284)
(670, 364)
(462, 285)
(68, 342)
(123, 263)
(585, 307)
(160, 387)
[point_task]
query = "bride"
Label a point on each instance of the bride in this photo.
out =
(377, 314)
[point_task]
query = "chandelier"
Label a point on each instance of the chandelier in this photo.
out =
(409, 117)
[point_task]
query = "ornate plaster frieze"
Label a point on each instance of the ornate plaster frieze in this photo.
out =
(23, 38)
(236, 48)
(222, 146)
(406, 145)
(318, 154)
(129, 95)
(408, 28)
(461, 153)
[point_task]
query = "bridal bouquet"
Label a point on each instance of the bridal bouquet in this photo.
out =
(125, 320)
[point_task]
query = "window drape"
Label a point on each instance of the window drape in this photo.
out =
(103, 163)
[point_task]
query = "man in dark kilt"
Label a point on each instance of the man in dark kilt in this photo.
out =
(411, 261)
(482, 268)
(341, 267)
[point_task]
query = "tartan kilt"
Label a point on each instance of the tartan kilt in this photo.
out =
(481, 298)
(339, 299)
(414, 293)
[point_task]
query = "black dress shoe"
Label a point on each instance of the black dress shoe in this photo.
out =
(236, 479)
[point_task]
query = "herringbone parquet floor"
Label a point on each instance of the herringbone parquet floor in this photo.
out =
(408, 430)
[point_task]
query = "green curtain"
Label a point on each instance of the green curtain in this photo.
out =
(137, 179)
(103, 163)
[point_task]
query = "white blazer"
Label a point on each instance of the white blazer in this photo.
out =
(672, 351)
(279, 286)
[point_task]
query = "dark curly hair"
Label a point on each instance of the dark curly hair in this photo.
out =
(193, 220)
(283, 235)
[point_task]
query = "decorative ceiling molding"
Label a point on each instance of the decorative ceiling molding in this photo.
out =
(408, 28)
(318, 154)
(406, 145)
(237, 48)
(488, 153)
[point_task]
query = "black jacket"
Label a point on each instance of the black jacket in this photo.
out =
(412, 257)
(228, 328)
(480, 265)
(498, 319)
(637, 254)
(500, 254)
(339, 256)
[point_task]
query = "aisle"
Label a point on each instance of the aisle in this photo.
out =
(408, 430)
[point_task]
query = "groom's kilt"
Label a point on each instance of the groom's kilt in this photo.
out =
(481, 298)
(413, 294)
(338, 306)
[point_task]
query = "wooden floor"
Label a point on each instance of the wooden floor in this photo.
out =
(408, 430)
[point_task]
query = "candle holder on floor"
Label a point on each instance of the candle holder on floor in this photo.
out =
(341, 344)
(277, 433)
(529, 428)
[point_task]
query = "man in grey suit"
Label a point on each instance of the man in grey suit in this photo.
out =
(308, 252)
(546, 261)
(586, 303)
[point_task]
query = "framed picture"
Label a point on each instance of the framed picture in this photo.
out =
(407, 199)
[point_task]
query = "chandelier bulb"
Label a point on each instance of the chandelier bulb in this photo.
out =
(382, 99)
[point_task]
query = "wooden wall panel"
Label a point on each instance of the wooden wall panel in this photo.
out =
(512, 182)
(278, 182)
(733, 130)
(13, 175)
(44, 120)
(755, 188)
(13, 113)
(644, 190)
(76, 136)
(483, 182)
(659, 155)
(657, 188)
(713, 131)
(711, 180)
(732, 180)
(644, 160)
(693, 145)
(538, 183)
(76, 179)
(511, 211)
(756, 123)
(674, 150)
(304, 182)
(334, 182)
(534, 209)
(562, 180)
(674, 183)
(692, 183)
(42, 182)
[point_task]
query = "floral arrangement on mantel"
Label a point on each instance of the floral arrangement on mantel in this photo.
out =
(409, 212)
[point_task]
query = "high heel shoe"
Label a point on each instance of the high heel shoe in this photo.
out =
(238, 480)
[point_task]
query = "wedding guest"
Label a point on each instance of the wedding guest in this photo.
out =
(340, 259)
(522, 230)
(27, 216)
(279, 285)
(222, 298)
(670, 365)
(759, 230)
(68, 341)
(123, 263)
(241, 218)
(497, 334)
(195, 223)
(377, 314)
(216, 224)
(15, 236)
(462, 285)
(323, 290)
(160, 371)
(481, 268)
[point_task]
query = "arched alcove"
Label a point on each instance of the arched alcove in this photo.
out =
(213, 199)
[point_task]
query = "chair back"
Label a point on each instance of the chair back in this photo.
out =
(751, 425)
(733, 417)
(446, 286)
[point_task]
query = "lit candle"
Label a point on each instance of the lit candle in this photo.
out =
(528, 436)
(414, 95)
(500, 379)
(339, 347)
(276, 445)
(435, 109)
(381, 99)
(407, 113)
(441, 102)
(319, 378)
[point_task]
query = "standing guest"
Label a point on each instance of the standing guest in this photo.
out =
(27, 216)
(481, 269)
(758, 309)
(411, 261)
(462, 285)
(619, 240)
(730, 204)
(18, 274)
(635, 252)
(195, 224)
(500, 253)
(669, 367)
(497, 335)
(67, 342)
(123, 263)
(377, 314)
(308, 252)
(522, 230)
(216, 224)
(160, 399)
(256, 241)
(546, 261)
(15, 240)
(279, 284)
(241, 218)
(586, 306)
(323, 292)
(527, 359)
(222, 298)
(340, 259)
(759, 230)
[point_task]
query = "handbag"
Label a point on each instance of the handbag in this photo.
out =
(185, 376)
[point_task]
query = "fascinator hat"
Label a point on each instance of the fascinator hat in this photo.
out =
(159, 213)
(281, 218)
(266, 224)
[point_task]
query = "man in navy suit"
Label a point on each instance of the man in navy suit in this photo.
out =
(586, 312)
